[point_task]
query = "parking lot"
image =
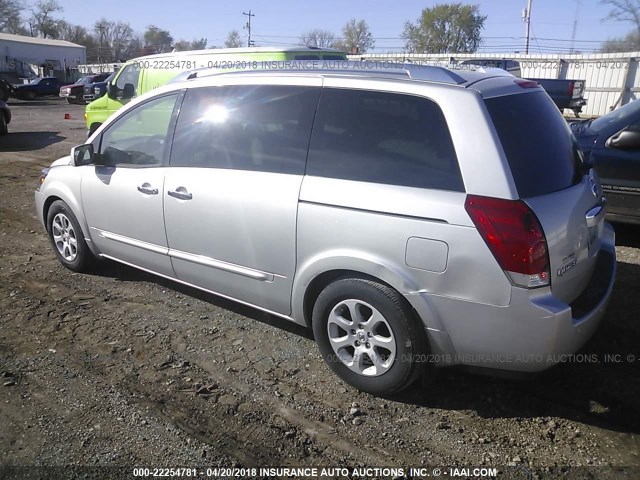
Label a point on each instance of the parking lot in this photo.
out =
(120, 367)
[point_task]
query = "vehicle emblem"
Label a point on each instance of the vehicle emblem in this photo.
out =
(561, 271)
(593, 184)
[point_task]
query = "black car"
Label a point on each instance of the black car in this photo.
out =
(96, 89)
(612, 143)
(5, 118)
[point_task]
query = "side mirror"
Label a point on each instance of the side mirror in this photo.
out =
(128, 91)
(112, 91)
(625, 140)
(82, 155)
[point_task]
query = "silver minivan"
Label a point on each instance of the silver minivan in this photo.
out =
(411, 216)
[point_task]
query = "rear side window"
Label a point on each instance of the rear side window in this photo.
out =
(537, 142)
(385, 138)
(246, 127)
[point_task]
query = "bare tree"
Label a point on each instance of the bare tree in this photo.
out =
(157, 39)
(199, 44)
(234, 40)
(10, 20)
(116, 40)
(318, 38)
(356, 37)
(42, 20)
(184, 45)
(624, 11)
(629, 43)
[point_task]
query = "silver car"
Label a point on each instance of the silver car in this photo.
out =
(412, 216)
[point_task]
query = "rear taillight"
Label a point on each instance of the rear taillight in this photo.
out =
(570, 92)
(515, 237)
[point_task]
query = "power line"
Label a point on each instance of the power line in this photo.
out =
(248, 26)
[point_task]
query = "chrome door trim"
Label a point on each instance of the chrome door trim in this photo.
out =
(190, 257)
(130, 241)
(220, 265)
(177, 280)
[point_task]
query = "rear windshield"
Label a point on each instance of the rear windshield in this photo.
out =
(539, 146)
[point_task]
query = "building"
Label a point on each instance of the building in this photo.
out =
(26, 57)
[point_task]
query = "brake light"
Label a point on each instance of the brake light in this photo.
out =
(521, 82)
(570, 92)
(515, 237)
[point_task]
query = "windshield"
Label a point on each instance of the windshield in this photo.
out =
(84, 80)
(619, 116)
(35, 81)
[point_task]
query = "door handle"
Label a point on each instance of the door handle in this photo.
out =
(147, 189)
(180, 193)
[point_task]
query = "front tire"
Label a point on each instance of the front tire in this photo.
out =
(369, 336)
(67, 238)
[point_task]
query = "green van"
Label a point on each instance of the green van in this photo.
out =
(143, 74)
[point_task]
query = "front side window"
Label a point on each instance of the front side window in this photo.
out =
(245, 127)
(138, 138)
(129, 76)
(385, 138)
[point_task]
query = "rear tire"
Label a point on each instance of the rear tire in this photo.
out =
(67, 238)
(369, 336)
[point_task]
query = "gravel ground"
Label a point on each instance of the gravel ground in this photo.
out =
(119, 368)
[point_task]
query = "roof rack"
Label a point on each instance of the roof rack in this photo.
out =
(336, 67)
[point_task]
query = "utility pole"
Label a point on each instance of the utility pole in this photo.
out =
(248, 27)
(101, 28)
(575, 26)
(526, 17)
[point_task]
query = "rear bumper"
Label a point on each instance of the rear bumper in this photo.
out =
(623, 203)
(535, 331)
(577, 102)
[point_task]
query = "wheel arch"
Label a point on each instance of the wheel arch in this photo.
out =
(314, 275)
(64, 194)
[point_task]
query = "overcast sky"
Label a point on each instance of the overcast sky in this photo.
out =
(283, 21)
